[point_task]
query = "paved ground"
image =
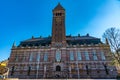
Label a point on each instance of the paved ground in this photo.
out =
(56, 79)
(67, 79)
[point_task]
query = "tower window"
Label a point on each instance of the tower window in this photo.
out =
(58, 14)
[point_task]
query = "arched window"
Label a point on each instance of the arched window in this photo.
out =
(58, 68)
(58, 55)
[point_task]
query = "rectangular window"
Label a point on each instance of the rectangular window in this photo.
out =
(71, 55)
(38, 57)
(94, 55)
(45, 57)
(23, 57)
(102, 56)
(87, 55)
(31, 56)
(16, 57)
(79, 55)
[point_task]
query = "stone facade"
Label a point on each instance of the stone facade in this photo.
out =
(61, 56)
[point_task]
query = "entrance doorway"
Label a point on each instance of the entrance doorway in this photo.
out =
(58, 68)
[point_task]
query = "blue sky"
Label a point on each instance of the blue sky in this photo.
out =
(21, 19)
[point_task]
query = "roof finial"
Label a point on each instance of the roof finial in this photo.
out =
(14, 44)
(78, 35)
(32, 37)
(87, 34)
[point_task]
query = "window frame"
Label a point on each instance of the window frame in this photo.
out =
(79, 56)
(71, 56)
(87, 57)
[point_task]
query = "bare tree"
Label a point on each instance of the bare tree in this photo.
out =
(113, 37)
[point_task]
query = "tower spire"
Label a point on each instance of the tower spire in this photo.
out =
(58, 26)
(58, 7)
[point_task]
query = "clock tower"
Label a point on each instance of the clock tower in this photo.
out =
(58, 26)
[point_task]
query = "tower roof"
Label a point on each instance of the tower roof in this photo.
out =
(59, 7)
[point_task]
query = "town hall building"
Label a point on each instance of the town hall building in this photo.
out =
(61, 56)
